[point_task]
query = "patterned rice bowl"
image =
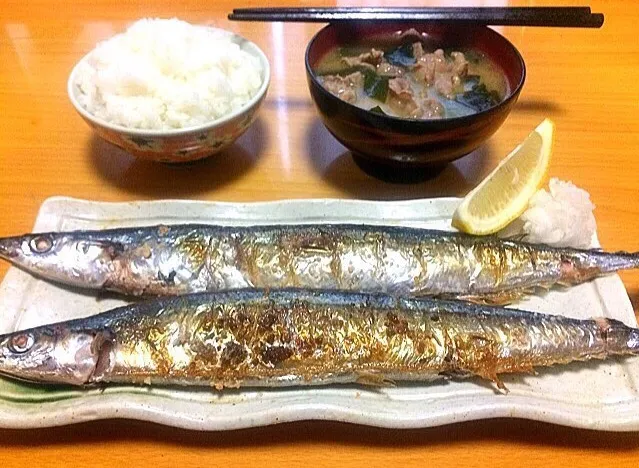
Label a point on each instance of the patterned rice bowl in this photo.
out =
(179, 145)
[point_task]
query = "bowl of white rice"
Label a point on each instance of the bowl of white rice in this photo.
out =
(170, 91)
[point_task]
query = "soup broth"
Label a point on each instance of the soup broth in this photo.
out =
(408, 77)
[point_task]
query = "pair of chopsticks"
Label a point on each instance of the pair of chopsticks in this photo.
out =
(570, 17)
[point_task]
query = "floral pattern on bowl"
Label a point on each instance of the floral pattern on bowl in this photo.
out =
(180, 147)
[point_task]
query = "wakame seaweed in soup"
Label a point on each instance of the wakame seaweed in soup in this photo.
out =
(405, 77)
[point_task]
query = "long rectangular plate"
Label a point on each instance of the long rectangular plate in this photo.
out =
(596, 395)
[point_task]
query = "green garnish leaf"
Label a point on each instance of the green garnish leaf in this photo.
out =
(402, 56)
(376, 86)
(345, 71)
(479, 98)
(377, 110)
(471, 81)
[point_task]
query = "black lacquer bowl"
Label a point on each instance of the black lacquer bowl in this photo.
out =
(407, 143)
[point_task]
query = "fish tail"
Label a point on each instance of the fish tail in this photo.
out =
(619, 338)
(611, 262)
(578, 266)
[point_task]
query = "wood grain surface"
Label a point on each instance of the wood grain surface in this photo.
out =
(585, 80)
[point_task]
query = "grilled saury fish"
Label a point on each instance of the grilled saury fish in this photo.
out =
(298, 337)
(172, 260)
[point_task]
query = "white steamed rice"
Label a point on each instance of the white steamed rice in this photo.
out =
(167, 74)
(561, 216)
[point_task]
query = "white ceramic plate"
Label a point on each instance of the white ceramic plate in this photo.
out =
(591, 395)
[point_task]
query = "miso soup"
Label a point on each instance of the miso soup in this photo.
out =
(406, 76)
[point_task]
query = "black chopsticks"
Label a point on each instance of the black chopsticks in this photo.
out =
(574, 17)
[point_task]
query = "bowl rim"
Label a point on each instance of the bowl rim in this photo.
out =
(513, 94)
(255, 99)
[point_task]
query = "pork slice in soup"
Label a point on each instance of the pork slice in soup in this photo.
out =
(405, 102)
(370, 59)
(344, 87)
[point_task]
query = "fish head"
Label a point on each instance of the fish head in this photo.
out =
(55, 354)
(67, 257)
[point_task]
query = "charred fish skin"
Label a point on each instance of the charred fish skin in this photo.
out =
(179, 259)
(302, 337)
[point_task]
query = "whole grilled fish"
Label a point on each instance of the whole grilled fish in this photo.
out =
(299, 337)
(173, 260)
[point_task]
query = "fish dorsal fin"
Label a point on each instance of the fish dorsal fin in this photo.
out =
(374, 379)
(222, 384)
(498, 298)
(487, 367)
(494, 378)
(518, 237)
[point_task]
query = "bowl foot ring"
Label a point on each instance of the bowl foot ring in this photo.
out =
(398, 173)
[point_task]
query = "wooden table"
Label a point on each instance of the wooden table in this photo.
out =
(583, 79)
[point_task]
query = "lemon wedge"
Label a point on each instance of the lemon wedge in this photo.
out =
(504, 194)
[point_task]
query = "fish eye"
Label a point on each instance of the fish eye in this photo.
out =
(41, 244)
(21, 343)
